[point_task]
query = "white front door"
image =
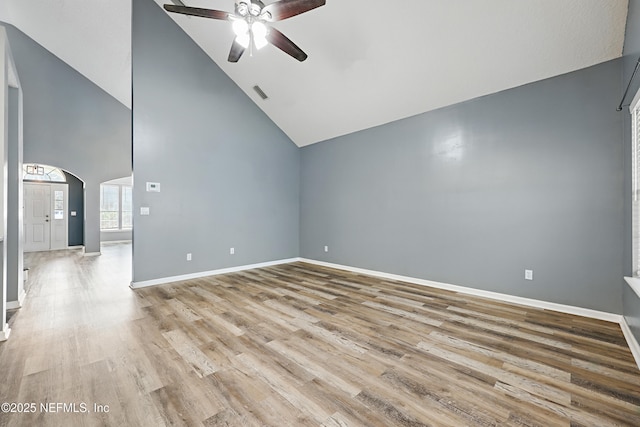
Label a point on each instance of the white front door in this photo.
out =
(37, 207)
(45, 216)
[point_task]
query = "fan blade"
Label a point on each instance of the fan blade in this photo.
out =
(196, 11)
(283, 43)
(236, 51)
(284, 9)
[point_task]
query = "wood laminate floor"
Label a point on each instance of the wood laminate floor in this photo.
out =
(299, 345)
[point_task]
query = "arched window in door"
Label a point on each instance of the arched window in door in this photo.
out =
(46, 173)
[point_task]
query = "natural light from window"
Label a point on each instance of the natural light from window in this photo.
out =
(116, 206)
(35, 172)
(634, 108)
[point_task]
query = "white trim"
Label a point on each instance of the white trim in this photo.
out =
(4, 334)
(92, 253)
(580, 311)
(635, 102)
(631, 340)
(163, 280)
(12, 305)
(634, 283)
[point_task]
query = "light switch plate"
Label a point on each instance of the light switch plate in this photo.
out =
(144, 210)
(153, 187)
(73, 213)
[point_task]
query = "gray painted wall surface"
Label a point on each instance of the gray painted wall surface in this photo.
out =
(229, 177)
(14, 236)
(116, 236)
(474, 193)
(631, 53)
(76, 203)
(71, 123)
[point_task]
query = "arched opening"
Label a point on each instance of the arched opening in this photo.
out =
(42, 173)
(53, 211)
(69, 207)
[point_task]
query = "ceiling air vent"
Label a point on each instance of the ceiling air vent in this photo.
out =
(260, 92)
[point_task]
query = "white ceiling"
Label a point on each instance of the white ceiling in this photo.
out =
(370, 62)
(92, 36)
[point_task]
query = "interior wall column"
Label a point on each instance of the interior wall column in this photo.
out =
(15, 228)
(92, 218)
(4, 102)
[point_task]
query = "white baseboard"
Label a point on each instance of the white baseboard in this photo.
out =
(631, 340)
(569, 309)
(4, 334)
(12, 305)
(92, 253)
(163, 280)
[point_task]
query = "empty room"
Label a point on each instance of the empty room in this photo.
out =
(320, 213)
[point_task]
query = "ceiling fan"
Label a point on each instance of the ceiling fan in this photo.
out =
(250, 23)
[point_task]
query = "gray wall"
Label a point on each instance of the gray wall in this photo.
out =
(229, 177)
(631, 55)
(116, 235)
(71, 123)
(474, 193)
(14, 236)
(76, 203)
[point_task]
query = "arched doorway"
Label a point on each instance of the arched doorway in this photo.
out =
(53, 208)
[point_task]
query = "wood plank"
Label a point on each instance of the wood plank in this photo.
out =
(304, 345)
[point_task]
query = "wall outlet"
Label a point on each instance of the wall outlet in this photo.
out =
(528, 275)
(144, 210)
(326, 248)
(189, 257)
(232, 251)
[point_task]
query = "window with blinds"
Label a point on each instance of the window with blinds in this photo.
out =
(635, 138)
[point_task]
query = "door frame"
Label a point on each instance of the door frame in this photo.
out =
(10, 244)
(53, 187)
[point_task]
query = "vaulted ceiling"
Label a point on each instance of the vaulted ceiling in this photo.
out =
(370, 62)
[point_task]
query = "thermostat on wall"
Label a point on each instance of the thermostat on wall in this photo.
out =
(153, 186)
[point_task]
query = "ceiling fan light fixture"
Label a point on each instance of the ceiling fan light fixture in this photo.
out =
(259, 31)
(266, 15)
(244, 40)
(240, 27)
(242, 9)
(255, 9)
(249, 21)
